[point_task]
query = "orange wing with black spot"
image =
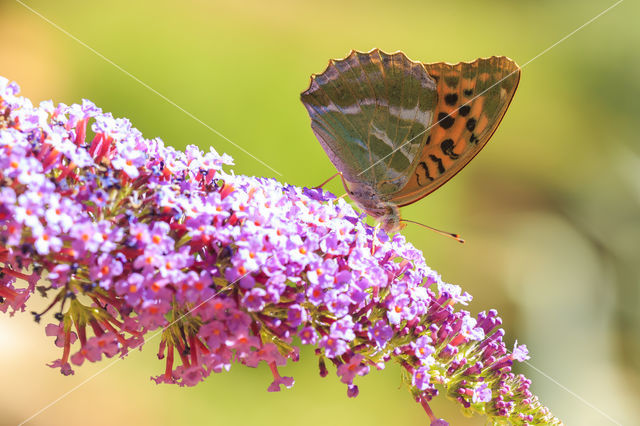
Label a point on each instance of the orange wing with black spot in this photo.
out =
(472, 99)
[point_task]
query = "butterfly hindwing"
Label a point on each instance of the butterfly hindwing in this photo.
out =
(472, 99)
(371, 113)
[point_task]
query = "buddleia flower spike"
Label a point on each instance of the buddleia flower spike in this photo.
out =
(129, 236)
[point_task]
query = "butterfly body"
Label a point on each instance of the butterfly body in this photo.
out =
(397, 129)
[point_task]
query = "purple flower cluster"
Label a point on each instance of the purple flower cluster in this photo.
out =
(130, 235)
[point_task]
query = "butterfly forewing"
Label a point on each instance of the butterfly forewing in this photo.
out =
(371, 111)
(472, 99)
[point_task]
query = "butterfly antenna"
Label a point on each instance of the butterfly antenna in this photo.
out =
(447, 234)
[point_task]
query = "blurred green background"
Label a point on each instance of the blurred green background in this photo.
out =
(550, 209)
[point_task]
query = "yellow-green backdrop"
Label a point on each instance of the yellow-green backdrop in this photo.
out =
(550, 209)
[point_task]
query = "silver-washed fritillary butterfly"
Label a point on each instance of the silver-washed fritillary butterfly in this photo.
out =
(397, 130)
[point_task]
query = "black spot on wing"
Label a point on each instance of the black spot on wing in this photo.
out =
(438, 162)
(464, 110)
(447, 149)
(471, 124)
(445, 120)
(422, 165)
(451, 81)
(473, 138)
(451, 98)
(468, 92)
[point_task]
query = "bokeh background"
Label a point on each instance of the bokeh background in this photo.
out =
(550, 209)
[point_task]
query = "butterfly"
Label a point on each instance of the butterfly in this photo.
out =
(396, 129)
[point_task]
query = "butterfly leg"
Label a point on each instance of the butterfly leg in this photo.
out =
(344, 183)
(329, 180)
